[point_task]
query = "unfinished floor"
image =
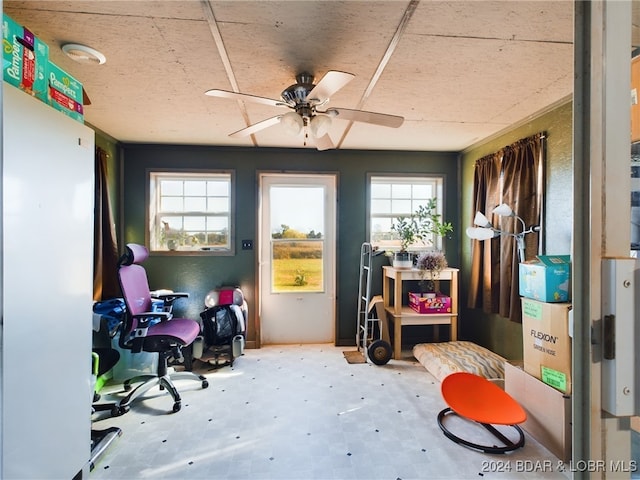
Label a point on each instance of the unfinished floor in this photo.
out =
(303, 412)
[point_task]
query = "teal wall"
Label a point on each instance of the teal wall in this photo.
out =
(492, 331)
(199, 274)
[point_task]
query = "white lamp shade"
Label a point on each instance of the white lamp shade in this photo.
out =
(481, 220)
(503, 210)
(478, 233)
(471, 232)
(320, 125)
(292, 123)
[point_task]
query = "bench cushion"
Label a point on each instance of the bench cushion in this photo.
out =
(442, 359)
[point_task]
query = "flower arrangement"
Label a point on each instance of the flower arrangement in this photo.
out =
(433, 262)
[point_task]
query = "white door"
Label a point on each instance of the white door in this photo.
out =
(297, 258)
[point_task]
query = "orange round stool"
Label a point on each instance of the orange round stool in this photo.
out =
(476, 398)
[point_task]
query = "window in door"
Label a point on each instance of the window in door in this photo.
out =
(297, 238)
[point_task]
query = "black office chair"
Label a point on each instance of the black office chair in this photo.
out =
(146, 330)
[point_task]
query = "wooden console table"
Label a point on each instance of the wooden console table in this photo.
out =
(401, 314)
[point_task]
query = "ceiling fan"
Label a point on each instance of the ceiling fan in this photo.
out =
(304, 98)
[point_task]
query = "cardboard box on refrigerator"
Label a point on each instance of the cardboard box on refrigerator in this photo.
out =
(546, 341)
(65, 93)
(548, 410)
(24, 59)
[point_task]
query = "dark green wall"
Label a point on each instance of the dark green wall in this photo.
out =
(199, 274)
(492, 331)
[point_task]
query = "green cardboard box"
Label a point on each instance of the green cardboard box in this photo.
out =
(546, 279)
(64, 92)
(24, 59)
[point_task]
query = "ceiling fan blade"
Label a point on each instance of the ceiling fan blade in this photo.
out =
(324, 142)
(383, 119)
(245, 97)
(256, 127)
(332, 81)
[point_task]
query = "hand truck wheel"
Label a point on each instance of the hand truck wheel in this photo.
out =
(379, 352)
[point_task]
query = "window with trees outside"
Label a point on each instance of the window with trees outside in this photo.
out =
(400, 196)
(191, 212)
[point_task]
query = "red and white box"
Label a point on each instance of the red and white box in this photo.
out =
(429, 302)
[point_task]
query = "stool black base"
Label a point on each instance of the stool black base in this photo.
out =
(508, 444)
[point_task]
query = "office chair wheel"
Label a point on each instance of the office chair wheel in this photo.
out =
(379, 352)
(205, 384)
(176, 407)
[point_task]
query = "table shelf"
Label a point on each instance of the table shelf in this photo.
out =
(400, 314)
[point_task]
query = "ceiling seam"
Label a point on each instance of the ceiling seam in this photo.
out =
(224, 56)
(404, 21)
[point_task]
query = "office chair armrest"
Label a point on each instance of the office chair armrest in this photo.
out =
(142, 327)
(168, 298)
(145, 318)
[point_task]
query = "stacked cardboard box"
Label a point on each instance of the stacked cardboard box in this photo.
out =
(543, 384)
(548, 410)
(65, 92)
(546, 279)
(25, 59)
(547, 342)
(26, 65)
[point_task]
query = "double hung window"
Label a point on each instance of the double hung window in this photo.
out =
(191, 212)
(400, 196)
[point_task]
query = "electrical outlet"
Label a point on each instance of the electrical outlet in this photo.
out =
(247, 244)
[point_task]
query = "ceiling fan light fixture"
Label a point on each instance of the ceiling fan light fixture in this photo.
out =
(292, 123)
(83, 54)
(320, 125)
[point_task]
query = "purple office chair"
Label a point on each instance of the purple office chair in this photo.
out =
(146, 330)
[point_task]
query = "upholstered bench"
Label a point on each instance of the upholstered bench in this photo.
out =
(442, 359)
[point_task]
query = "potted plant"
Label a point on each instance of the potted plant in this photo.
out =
(430, 264)
(407, 229)
(420, 226)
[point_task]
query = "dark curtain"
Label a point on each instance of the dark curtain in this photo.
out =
(485, 260)
(513, 176)
(105, 253)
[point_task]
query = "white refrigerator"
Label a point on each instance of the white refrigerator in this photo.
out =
(47, 269)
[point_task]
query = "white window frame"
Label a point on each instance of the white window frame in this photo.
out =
(176, 236)
(402, 196)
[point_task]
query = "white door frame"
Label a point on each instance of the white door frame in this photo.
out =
(602, 213)
(305, 311)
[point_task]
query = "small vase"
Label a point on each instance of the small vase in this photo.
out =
(402, 260)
